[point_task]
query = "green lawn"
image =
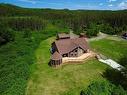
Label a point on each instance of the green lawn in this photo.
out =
(112, 47)
(65, 80)
(30, 56)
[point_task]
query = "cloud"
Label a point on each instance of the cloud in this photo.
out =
(52, 3)
(112, 0)
(29, 1)
(101, 4)
(110, 5)
(41, 2)
(123, 5)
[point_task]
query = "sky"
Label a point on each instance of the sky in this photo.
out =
(71, 4)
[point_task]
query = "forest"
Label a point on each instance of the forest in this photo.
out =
(111, 22)
(22, 29)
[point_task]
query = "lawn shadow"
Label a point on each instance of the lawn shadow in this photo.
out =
(117, 77)
(49, 63)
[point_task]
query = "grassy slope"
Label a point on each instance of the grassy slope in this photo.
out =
(68, 79)
(16, 58)
(112, 47)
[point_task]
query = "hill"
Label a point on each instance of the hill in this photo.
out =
(25, 38)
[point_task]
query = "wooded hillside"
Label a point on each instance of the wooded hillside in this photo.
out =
(23, 32)
(112, 22)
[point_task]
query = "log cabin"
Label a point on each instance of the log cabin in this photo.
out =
(67, 45)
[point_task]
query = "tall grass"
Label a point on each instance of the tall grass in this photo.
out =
(16, 58)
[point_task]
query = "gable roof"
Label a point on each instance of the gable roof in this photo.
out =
(56, 56)
(67, 45)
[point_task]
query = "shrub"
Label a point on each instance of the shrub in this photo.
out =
(6, 34)
(27, 33)
(106, 28)
(118, 77)
(103, 88)
(93, 30)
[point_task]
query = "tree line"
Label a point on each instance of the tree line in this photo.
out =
(90, 22)
(110, 22)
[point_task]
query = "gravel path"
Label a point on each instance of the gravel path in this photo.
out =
(101, 58)
(100, 36)
(109, 62)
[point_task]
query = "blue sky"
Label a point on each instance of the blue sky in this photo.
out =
(71, 4)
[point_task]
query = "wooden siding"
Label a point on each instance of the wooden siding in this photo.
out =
(75, 53)
(56, 62)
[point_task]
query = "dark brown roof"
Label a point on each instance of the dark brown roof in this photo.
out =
(67, 45)
(56, 56)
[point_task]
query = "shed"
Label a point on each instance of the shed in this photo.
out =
(124, 35)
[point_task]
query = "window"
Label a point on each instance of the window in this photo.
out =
(71, 54)
(65, 55)
(76, 50)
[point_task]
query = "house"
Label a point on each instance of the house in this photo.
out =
(68, 45)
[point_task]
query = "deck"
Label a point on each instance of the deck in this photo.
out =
(78, 59)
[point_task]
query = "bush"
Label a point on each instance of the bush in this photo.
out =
(16, 59)
(118, 77)
(27, 33)
(6, 34)
(123, 61)
(103, 88)
(106, 28)
(93, 30)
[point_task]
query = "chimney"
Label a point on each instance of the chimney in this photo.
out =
(82, 35)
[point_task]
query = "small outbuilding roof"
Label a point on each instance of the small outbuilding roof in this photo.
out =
(83, 35)
(56, 56)
(63, 35)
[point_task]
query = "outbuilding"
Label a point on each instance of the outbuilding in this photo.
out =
(56, 59)
(124, 35)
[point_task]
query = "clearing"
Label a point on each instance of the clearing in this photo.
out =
(67, 79)
(71, 79)
(111, 47)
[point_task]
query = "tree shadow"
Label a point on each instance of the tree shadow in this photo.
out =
(49, 63)
(123, 61)
(113, 76)
(118, 77)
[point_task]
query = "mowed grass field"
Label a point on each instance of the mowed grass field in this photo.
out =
(111, 47)
(66, 80)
